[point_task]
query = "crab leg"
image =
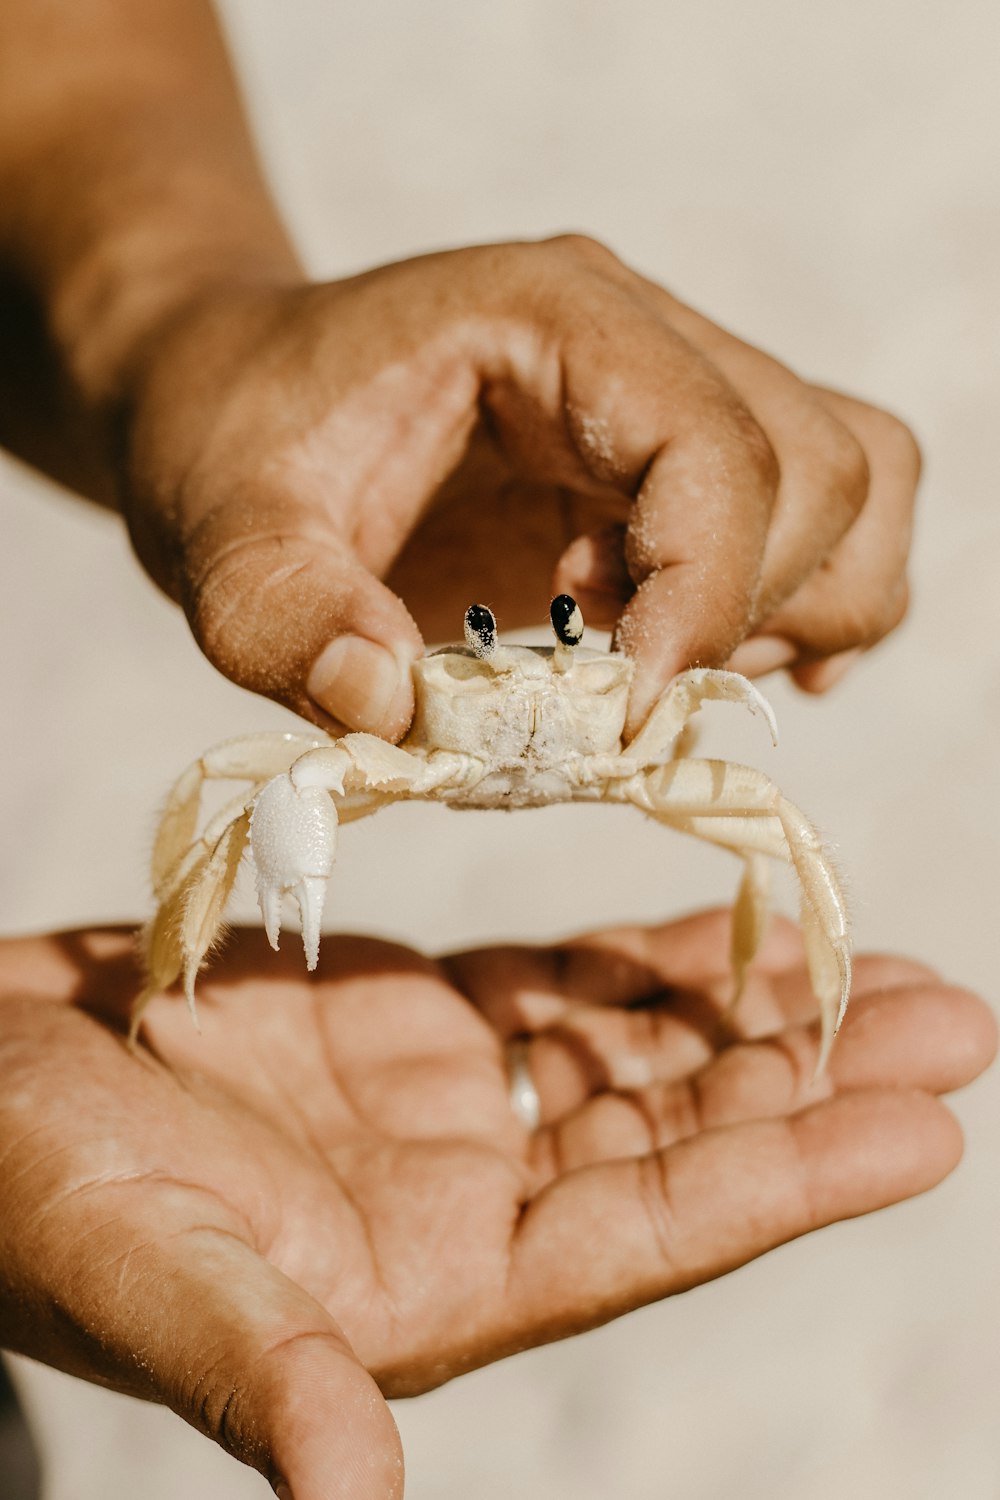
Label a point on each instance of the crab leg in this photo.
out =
(751, 910)
(188, 919)
(254, 758)
(654, 743)
(293, 826)
(193, 878)
(698, 795)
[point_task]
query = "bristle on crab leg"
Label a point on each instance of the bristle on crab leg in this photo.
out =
(702, 796)
(254, 758)
(188, 920)
(206, 901)
(829, 962)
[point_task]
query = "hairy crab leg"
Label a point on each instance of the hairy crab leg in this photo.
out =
(198, 851)
(293, 826)
(193, 878)
(655, 741)
(187, 924)
(690, 793)
(253, 758)
(300, 790)
(751, 910)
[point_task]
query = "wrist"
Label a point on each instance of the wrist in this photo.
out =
(116, 298)
(128, 176)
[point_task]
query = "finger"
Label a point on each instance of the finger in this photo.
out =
(195, 1319)
(640, 1229)
(593, 1049)
(930, 1037)
(521, 987)
(593, 571)
(821, 462)
(860, 593)
(832, 576)
(648, 414)
(790, 995)
(695, 548)
(824, 465)
(760, 654)
(280, 605)
(821, 676)
(54, 967)
(276, 1382)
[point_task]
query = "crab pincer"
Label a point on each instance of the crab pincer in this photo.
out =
(293, 840)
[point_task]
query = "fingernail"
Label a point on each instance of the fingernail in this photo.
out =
(282, 1491)
(595, 563)
(362, 685)
(762, 654)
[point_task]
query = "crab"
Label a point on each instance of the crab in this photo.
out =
(495, 726)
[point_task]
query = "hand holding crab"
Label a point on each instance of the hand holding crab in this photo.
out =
(531, 417)
(495, 727)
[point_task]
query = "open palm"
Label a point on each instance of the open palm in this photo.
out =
(325, 1192)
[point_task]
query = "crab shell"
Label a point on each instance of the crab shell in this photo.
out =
(525, 712)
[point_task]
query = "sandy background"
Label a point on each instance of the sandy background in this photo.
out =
(823, 181)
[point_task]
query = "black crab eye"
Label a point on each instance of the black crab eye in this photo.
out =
(567, 620)
(480, 630)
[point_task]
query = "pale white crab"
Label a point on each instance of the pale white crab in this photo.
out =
(499, 727)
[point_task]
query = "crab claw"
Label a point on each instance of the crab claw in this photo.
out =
(293, 838)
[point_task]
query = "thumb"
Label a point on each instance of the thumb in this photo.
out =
(279, 604)
(249, 1358)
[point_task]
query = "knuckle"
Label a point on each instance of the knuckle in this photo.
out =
(848, 473)
(581, 247)
(852, 626)
(896, 444)
(863, 619)
(828, 626)
(896, 606)
(757, 452)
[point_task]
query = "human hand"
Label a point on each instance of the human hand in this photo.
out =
(329, 1180)
(502, 423)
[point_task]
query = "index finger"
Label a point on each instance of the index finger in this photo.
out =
(652, 416)
(695, 548)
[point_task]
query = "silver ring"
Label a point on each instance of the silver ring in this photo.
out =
(524, 1099)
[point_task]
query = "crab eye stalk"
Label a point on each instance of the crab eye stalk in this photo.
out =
(480, 631)
(567, 622)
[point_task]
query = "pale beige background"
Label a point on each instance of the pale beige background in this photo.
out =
(823, 180)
